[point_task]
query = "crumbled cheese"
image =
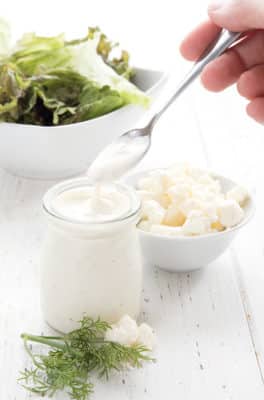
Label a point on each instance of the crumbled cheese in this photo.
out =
(179, 193)
(124, 332)
(239, 194)
(174, 216)
(127, 332)
(153, 211)
(183, 200)
(230, 213)
(146, 336)
(196, 224)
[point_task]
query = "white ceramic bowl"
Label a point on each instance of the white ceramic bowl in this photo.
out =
(64, 151)
(182, 254)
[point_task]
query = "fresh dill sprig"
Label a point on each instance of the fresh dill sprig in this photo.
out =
(72, 357)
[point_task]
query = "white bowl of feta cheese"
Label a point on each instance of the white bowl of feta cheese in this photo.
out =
(189, 216)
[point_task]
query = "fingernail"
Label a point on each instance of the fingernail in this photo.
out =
(216, 5)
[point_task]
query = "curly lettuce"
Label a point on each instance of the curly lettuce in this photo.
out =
(50, 81)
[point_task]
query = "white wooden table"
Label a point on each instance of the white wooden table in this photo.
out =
(210, 323)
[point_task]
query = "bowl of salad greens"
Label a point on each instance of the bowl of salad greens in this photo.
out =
(62, 102)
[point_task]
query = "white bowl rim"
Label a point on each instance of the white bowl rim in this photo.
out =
(245, 221)
(163, 78)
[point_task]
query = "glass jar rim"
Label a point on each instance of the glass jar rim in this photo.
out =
(75, 183)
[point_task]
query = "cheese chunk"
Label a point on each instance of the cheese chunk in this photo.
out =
(153, 212)
(239, 194)
(185, 201)
(196, 224)
(174, 216)
(230, 213)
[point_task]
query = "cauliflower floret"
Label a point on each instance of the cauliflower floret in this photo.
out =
(174, 216)
(196, 224)
(124, 332)
(166, 230)
(153, 212)
(239, 194)
(146, 336)
(230, 213)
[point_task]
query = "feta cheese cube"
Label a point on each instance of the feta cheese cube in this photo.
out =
(230, 213)
(124, 332)
(182, 200)
(153, 211)
(210, 210)
(239, 194)
(191, 204)
(196, 224)
(179, 192)
(150, 184)
(164, 200)
(174, 216)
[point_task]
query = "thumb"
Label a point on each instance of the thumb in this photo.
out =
(237, 15)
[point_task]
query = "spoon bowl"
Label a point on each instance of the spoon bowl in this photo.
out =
(120, 156)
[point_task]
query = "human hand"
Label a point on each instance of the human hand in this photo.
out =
(244, 63)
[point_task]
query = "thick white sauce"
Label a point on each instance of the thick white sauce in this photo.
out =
(91, 267)
(118, 159)
(94, 204)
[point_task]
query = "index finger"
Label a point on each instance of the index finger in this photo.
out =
(198, 40)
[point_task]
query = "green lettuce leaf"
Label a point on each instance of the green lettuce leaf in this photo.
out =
(36, 54)
(88, 63)
(51, 81)
(105, 49)
(13, 87)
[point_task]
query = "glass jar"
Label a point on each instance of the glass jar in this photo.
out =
(90, 267)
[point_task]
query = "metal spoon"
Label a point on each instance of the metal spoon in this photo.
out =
(129, 149)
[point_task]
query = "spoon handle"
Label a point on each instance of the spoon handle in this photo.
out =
(223, 42)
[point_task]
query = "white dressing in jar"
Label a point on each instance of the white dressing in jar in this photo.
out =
(91, 261)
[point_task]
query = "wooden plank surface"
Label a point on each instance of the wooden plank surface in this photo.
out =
(205, 348)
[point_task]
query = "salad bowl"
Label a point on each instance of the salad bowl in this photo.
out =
(58, 152)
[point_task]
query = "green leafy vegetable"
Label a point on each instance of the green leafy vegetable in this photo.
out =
(51, 81)
(74, 356)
